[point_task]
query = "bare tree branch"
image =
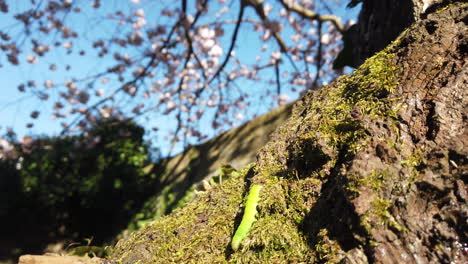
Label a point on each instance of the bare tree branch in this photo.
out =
(258, 6)
(131, 82)
(184, 7)
(145, 70)
(179, 89)
(233, 42)
(319, 55)
(278, 83)
(305, 13)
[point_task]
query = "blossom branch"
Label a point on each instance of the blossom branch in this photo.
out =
(278, 83)
(319, 55)
(308, 14)
(128, 83)
(233, 42)
(258, 6)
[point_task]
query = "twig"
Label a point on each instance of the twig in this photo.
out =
(305, 13)
(278, 83)
(283, 48)
(133, 81)
(233, 42)
(319, 55)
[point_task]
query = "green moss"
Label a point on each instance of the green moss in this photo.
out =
(379, 216)
(184, 235)
(380, 209)
(364, 94)
(375, 181)
(327, 250)
(201, 231)
(224, 172)
(274, 239)
(167, 200)
(334, 116)
(413, 163)
(193, 153)
(178, 237)
(89, 251)
(300, 197)
(273, 165)
(449, 5)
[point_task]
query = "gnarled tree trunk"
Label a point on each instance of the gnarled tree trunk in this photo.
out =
(380, 22)
(370, 169)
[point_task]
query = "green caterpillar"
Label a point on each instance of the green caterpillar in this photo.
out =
(249, 216)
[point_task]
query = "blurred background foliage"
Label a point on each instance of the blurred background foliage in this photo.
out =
(71, 188)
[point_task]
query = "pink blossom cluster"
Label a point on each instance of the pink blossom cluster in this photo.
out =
(165, 61)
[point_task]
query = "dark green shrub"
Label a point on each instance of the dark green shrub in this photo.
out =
(79, 186)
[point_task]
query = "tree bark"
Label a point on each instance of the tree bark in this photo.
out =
(380, 22)
(370, 169)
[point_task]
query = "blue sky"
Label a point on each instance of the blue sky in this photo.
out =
(16, 107)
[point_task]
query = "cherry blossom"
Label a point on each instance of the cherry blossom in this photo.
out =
(205, 63)
(48, 84)
(32, 59)
(283, 98)
(239, 116)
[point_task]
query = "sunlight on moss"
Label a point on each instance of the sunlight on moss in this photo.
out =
(277, 236)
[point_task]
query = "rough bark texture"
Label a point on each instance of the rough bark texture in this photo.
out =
(380, 22)
(370, 169)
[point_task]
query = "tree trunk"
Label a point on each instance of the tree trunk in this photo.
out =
(380, 22)
(370, 169)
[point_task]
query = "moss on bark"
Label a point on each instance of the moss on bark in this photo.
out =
(340, 178)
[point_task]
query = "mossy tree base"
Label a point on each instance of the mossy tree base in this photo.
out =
(371, 168)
